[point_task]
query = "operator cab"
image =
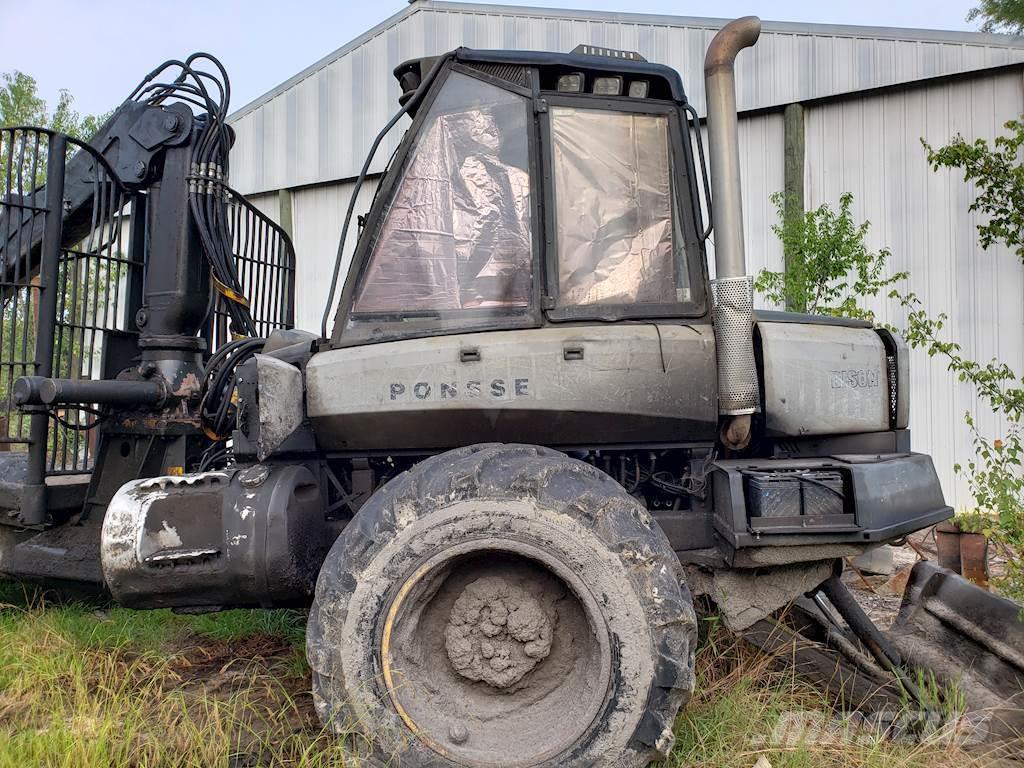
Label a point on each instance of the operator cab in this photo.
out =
(531, 188)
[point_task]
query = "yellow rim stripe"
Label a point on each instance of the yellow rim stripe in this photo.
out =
(385, 660)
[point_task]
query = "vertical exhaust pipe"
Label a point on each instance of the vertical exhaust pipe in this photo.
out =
(733, 288)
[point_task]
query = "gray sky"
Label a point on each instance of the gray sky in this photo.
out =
(100, 49)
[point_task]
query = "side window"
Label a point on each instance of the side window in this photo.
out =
(456, 234)
(616, 235)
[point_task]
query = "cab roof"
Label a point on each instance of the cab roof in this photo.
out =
(665, 81)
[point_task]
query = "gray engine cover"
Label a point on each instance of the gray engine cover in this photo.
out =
(552, 386)
(823, 379)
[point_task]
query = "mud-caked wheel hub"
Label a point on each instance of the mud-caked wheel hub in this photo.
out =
(488, 642)
(497, 632)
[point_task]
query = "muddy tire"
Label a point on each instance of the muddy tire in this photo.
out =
(503, 605)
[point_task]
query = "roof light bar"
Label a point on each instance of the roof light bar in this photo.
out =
(608, 53)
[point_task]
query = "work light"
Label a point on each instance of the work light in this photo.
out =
(638, 89)
(608, 86)
(571, 83)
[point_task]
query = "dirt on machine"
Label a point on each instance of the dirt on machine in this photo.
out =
(536, 440)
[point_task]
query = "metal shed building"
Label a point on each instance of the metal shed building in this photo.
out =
(866, 96)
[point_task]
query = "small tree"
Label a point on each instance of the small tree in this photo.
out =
(994, 474)
(830, 270)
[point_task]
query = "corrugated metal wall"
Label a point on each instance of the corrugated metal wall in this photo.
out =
(317, 216)
(268, 204)
(871, 148)
(320, 126)
(761, 174)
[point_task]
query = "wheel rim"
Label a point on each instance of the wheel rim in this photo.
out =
(494, 653)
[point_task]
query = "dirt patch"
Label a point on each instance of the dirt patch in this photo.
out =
(199, 660)
(880, 595)
(256, 681)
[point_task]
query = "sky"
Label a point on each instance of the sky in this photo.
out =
(100, 49)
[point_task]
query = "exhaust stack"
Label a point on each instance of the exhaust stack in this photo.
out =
(733, 288)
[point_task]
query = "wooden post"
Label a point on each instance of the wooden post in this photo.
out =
(284, 202)
(793, 173)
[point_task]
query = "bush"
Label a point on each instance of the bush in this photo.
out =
(829, 268)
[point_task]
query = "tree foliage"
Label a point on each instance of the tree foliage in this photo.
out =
(994, 473)
(997, 172)
(829, 268)
(999, 16)
(21, 104)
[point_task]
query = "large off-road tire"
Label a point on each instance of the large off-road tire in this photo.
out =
(503, 605)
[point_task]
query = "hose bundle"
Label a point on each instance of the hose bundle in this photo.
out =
(217, 409)
(192, 82)
(189, 82)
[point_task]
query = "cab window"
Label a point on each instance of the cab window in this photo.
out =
(617, 230)
(455, 239)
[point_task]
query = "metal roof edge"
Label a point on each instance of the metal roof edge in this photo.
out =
(711, 23)
(884, 90)
(351, 45)
(691, 22)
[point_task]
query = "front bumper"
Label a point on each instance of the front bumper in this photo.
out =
(881, 497)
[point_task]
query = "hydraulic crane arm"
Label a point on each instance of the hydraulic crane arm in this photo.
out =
(130, 144)
(99, 334)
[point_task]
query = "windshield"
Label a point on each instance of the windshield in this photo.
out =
(617, 232)
(456, 234)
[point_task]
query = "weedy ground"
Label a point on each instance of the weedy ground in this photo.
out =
(88, 684)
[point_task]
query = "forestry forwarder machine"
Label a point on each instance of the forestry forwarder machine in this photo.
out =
(537, 432)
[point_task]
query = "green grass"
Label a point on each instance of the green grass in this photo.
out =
(745, 708)
(88, 685)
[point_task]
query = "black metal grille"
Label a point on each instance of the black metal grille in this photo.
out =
(23, 156)
(265, 263)
(892, 373)
(512, 73)
(89, 284)
(92, 305)
(70, 289)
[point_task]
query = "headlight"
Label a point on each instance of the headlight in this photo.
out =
(571, 83)
(608, 86)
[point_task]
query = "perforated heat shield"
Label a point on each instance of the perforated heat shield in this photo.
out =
(737, 370)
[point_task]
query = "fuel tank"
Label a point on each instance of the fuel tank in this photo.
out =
(569, 385)
(245, 536)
